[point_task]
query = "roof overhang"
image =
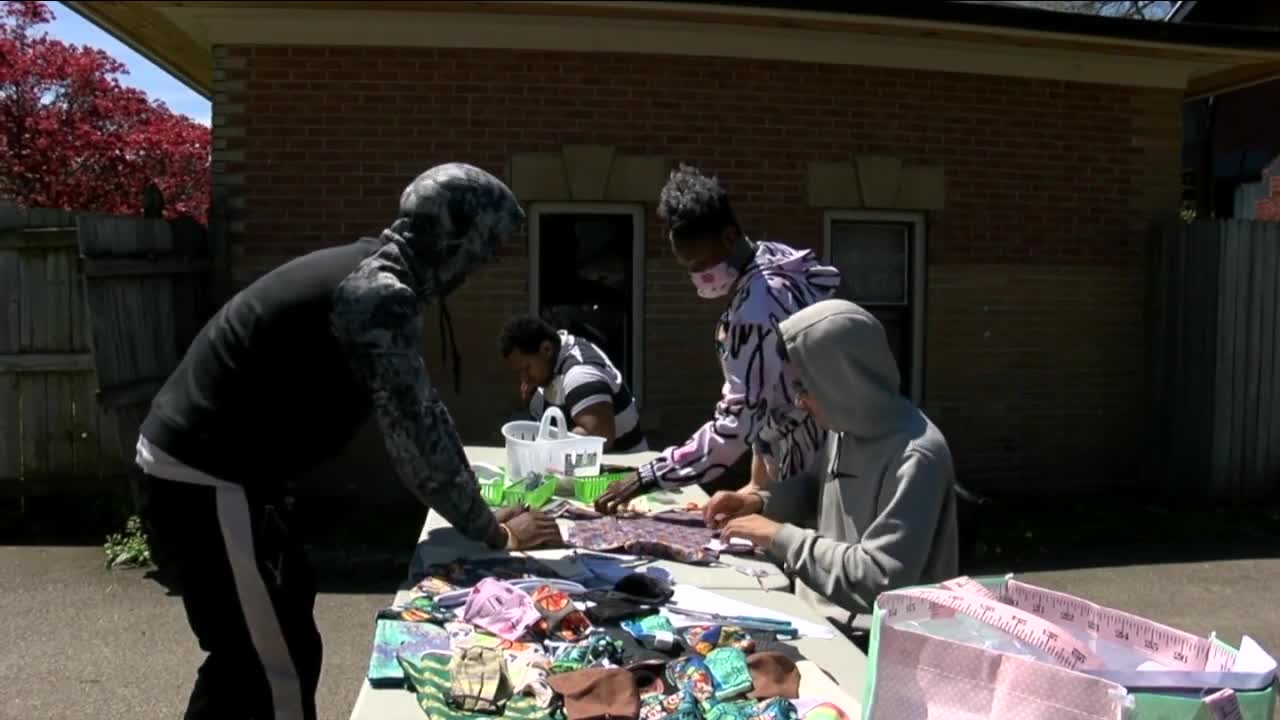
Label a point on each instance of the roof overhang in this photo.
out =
(954, 37)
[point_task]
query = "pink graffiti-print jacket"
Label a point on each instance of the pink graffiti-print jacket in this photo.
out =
(756, 407)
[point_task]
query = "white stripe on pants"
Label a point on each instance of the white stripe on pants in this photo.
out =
(255, 602)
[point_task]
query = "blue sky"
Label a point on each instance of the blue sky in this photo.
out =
(71, 28)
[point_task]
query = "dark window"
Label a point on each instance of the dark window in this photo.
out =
(875, 259)
(586, 274)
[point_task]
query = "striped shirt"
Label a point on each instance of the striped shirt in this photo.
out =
(583, 376)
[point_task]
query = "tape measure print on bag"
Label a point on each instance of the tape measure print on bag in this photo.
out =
(1038, 617)
(1066, 628)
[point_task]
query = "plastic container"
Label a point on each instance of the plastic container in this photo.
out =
(589, 488)
(538, 448)
(492, 483)
(536, 499)
(498, 491)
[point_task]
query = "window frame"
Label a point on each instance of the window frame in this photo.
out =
(637, 214)
(915, 276)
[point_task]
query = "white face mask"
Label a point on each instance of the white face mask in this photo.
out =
(715, 281)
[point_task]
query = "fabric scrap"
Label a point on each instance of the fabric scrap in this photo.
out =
(429, 679)
(478, 680)
(396, 637)
(660, 700)
(654, 632)
(463, 574)
(692, 675)
(528, 665)
(418, 609)
(772, 709)
(500, 608)
(598, 694)
(659, 537)
(644, 588)
(729, 672)
(598, 649)
(634, 654)
(702, 639)
(773, 675)
(560, 617)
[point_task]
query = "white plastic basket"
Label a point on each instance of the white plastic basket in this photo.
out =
(536, 447)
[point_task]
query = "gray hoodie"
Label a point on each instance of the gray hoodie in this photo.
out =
(879, 510)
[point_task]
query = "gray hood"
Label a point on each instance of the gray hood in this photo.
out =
(841, 355)
(452, 219)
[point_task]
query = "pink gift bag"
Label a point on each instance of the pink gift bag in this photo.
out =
(1005, 650)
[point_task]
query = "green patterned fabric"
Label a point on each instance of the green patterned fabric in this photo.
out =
(729, 672)
(430, 680)
(772, 709)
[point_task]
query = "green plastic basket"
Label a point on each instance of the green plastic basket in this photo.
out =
(492, 491)
(535, 499)
(496, 494)
(588, 488)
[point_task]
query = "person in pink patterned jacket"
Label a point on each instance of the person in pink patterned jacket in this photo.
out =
(765, 283)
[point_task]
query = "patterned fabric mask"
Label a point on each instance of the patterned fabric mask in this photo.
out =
(715, 281)
(729, 672)
(560, 617)
(598, 650)
(418, 609)
(430, 679)
(501, 609)
(654, 632)
(478, 680)
(702, 639)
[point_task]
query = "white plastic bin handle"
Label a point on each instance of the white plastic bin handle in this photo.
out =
(544, 428)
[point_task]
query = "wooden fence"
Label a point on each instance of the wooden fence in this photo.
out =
(95, 311)
(1215, 360)
(54, 437)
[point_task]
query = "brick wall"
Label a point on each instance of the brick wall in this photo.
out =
(1034, 334)
(1268, 208)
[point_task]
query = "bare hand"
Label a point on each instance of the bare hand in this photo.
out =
(757, 529)
(618, 495)
(526, 392)
(507, 514)
(725, 506)
(533, 529)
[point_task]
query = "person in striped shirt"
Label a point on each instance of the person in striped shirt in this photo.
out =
(559, 369)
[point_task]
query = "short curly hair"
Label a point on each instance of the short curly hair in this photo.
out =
(526, 333)
(695, 206)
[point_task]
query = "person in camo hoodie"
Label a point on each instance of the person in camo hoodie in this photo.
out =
(279, 380)
(765, 283)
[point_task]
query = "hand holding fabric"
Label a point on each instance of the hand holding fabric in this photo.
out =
(757, 529)
(619, 494)
(533, 529)
(725, 506)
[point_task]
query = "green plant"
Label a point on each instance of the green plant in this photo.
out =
(130, 548)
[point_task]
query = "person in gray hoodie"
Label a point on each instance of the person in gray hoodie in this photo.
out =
(877, 511)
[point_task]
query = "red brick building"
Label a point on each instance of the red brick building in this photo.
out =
(986, 175)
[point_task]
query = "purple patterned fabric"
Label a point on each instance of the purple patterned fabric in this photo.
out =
(675, 536)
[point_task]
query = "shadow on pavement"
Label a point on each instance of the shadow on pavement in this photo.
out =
(1033, 534)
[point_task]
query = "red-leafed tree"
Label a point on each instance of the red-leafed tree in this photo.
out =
(73, 138)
